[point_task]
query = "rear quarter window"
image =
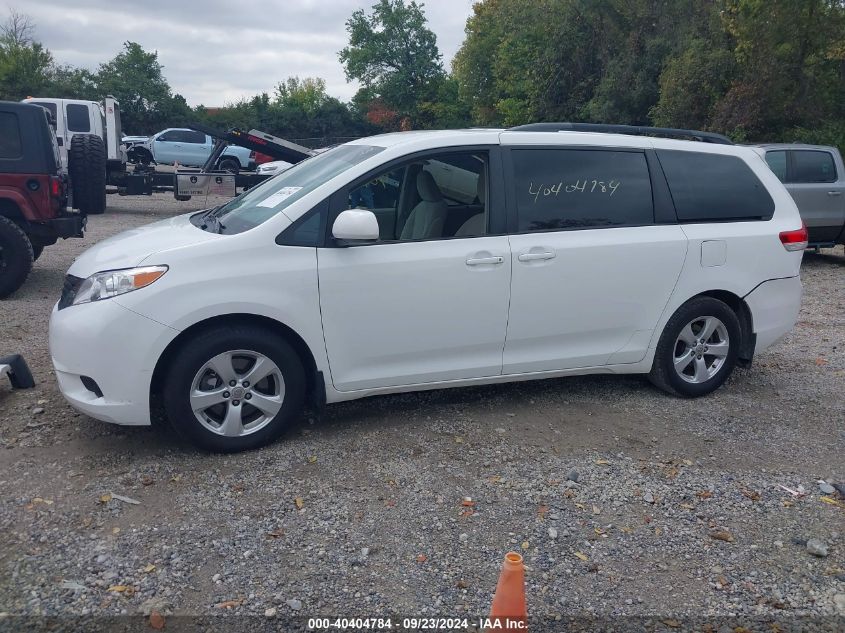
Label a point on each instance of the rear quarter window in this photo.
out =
(10, 136)
(714, 187)
(77, 118)
(560, 189)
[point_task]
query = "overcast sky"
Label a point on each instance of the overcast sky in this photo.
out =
(217, 51)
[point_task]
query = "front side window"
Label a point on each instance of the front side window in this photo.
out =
(812, 166)
(10, 136)
(435, 197)
(560, 189)
(77, 118)
(777, 163)
(714, 187)
(259, 204)
(192, 136)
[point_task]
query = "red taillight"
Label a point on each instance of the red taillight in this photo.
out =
(794, 240)
(55, 186)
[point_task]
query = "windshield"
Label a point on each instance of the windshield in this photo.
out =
(260, 203)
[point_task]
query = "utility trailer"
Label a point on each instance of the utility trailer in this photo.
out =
(188, 182)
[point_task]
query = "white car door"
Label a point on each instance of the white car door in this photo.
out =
(592, 269)
(428, 302)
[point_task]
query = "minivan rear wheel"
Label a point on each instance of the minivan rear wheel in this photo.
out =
(234, 388)
(698, 348)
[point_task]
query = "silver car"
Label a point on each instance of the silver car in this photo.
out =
(815, 177)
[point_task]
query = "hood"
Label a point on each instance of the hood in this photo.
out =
(130, 248)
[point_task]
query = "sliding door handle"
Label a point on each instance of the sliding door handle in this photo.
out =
(530, 257)
(834, 193)
(478, 261)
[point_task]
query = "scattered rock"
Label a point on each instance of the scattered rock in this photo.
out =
(839, 603)
(294, 604)
(552, 533)
(648, 497)
(270, 613)
(840, 488)
(216, 577)
(38, 411)
(573, 476)
(722, 535)
(463, 538)
(826, 488)
(817, 548)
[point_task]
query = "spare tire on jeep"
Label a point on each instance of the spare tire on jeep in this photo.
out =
(87, 167)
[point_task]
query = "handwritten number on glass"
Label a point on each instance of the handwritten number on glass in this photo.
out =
(579, 186)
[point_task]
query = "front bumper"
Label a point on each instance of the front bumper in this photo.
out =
(774, 308)
(113, 348)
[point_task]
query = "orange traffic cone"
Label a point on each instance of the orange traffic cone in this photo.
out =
(509, 611)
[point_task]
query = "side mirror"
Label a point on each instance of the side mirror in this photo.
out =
(355, 226)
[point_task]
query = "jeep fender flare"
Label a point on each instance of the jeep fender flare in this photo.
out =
(15, 196)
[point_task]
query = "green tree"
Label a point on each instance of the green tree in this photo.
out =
(394, 55)
(134, 77)
(24, 63)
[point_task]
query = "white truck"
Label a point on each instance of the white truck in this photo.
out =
(90, 144)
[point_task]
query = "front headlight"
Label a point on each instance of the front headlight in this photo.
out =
(112, 283)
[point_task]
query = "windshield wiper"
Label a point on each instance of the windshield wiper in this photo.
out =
(212, 223)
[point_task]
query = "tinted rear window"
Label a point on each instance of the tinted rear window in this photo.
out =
(10, 136)
(77, 118)
(51, 107)
(777, 163)
(714, 187)
(581, 189)
(812, 166)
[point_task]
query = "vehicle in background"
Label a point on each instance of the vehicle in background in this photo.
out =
(191, 148)
(815, 177)
(77, 116)
(273, 167)
(130, 143)
(33, 192)
(260, 158)
(436, 259)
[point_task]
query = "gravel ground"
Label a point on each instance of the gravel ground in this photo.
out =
(623, 501)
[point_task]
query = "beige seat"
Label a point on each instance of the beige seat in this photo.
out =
(427, 219)
(477, 224)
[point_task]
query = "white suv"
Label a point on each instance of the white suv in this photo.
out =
(425, 260)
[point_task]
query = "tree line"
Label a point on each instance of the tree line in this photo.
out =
(757, 70)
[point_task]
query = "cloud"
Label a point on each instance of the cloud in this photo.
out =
(217, 51)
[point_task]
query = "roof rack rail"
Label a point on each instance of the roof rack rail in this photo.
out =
(637, 130)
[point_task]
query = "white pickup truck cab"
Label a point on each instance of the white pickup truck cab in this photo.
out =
(424, 260)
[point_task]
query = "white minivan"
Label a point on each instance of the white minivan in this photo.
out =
(424, 260)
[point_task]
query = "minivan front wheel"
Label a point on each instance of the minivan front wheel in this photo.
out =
(698, 348)
(234, 388)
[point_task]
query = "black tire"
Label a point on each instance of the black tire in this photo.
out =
(16, 257)
(230, 164)
(87, 167)
(663, 373)
(199, 350)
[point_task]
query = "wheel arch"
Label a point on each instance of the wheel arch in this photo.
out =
(313, 382)
(13, 205)
(746, 321)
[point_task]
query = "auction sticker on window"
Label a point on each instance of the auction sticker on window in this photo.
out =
(276, 198)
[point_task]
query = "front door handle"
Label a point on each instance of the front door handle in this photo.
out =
(478, 261)
(834, 193)
(530, 257)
